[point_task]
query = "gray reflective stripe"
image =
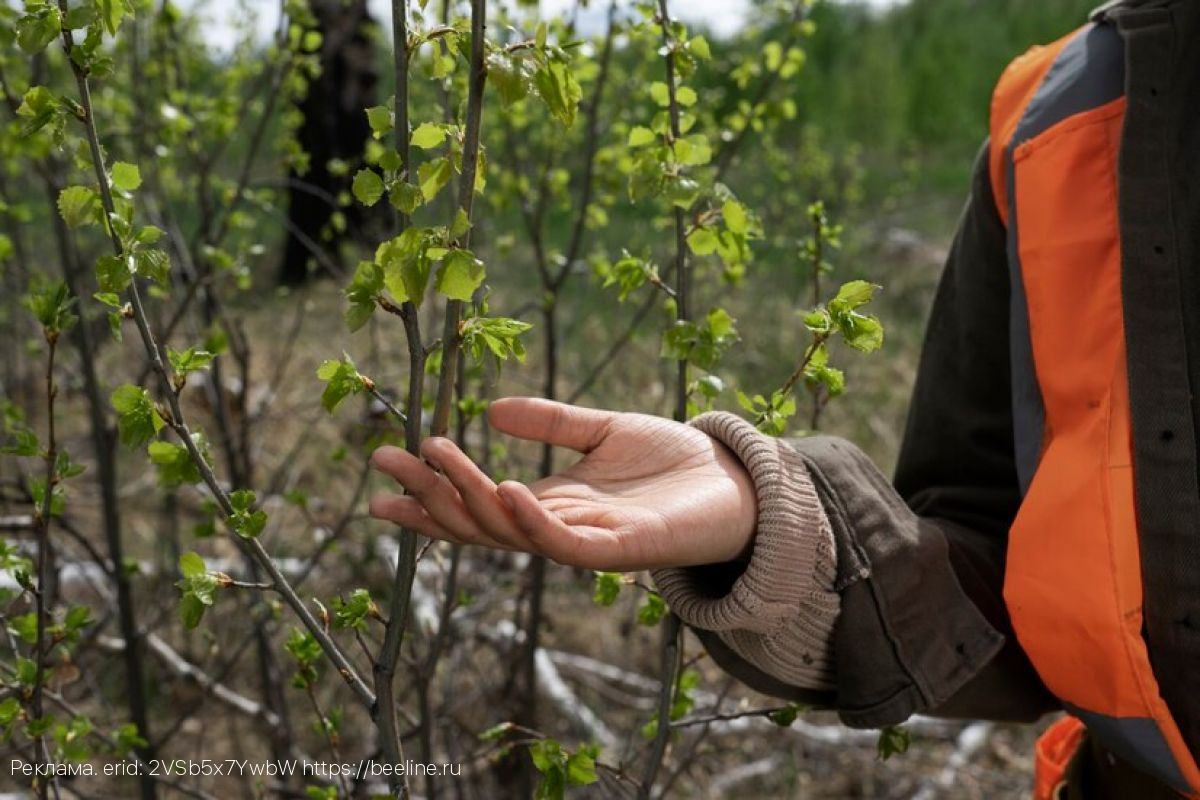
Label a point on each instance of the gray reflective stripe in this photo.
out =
(1028, 412)
(1138, 741)
(1088, 72)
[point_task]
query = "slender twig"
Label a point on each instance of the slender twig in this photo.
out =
(177, 419)
(42, 595)
(614, 349)
(670, 650)
(385, 712)
(819, 394)
(590, 147)
(451, 339)
(331, 737)
(668, 671)
(391, 408)
(809, 352)
(688, 722)
(226, 582)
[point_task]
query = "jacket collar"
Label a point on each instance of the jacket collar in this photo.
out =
(1101, 12)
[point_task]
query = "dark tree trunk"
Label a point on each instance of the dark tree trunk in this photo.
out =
(335, 127)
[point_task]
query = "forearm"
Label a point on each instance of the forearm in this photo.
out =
(857, 602)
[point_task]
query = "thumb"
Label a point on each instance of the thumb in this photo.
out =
(558, 424)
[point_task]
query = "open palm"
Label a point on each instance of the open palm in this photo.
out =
(647, 493)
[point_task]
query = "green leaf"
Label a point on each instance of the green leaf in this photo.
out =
(342, 379)
(702, 344)
(77, 617)
(852, 295)
(405, 197)
(191, 565)
(498, 336)
(581, 767)
(685, 96)
(9, 710)
(367, 187)
(559, 90)
(461, 224)
(660, 94)
(735, 216)
(784, 717)
(24, 627)
(40, 107)
(307, 651)
(79, 205)
(652, 610)
(113, 274)
(246, 522)
(311, 42)
(428, 135)
(111, 13)
(51, 304)
(127, 739)
(461, 274)
(37, 29)
(509, 78)
(126, 177)
(863, 333)
(148, 234)
(893, 740)
(630, 273)
(496, 732)
(433, 175)
(380, 120)
(693, 150)
(362, 293)
(197, 586)
(137, 419)
(190, 360)
(191, 610)
(702, 241)
(607, 588)
(819, 373)
(818, 321)
(352, 614)
(174, 462)
(242, 499)
(640, 135)
(406, 264)
(154, 264)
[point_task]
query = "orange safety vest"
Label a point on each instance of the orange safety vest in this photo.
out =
(1073, 582)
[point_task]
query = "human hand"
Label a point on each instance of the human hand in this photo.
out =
(648, 492)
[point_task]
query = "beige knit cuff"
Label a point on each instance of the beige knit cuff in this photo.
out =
(779, 613)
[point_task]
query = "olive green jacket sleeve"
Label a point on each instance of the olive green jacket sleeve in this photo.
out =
(919, 624)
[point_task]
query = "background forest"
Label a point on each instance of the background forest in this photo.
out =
(232, 266)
